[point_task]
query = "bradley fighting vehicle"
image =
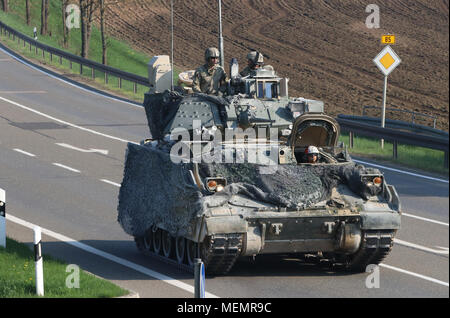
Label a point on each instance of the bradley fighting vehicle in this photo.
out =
(193, 191)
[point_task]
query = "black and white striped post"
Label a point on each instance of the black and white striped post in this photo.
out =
(199, 278)
(38, 262)
(2, 218)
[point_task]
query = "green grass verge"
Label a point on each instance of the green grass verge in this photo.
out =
(17, 277)
(119, 55)
(409, 156)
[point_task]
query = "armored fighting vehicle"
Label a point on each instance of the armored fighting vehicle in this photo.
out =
(225, 177)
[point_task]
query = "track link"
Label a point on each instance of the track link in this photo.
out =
(375, 246)
(218, 253)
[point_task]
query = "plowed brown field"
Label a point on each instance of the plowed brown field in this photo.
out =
(323, 46)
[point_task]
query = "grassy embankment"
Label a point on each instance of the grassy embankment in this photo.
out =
(17, 277)
(120, 55)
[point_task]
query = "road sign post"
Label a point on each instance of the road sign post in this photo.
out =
(387, 60)
(383, 110)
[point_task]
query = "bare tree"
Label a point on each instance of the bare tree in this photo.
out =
(44, 17)
(27, 12)
(103, 32)
(5, 5)
(64, 17)
(87, 9)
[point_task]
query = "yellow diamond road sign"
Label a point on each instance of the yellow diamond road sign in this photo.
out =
(387, 60)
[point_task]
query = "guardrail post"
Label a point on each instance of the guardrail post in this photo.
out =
(81, 69)
(350, 136)
(106, 78)
(93, 73)
(120, 83)
(395, 150)
(135, 87)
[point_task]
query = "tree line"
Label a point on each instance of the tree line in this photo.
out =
(87, 12)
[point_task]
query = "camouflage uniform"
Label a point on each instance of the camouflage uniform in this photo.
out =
(209, 80)
(255, 59)
(246, 71)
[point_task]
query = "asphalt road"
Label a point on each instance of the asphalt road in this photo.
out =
(61, 160)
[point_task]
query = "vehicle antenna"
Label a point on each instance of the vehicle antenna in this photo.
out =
(171, 22)
(222, 58)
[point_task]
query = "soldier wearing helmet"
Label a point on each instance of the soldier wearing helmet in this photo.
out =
(210, 78)
(255, 61)
(312, 154)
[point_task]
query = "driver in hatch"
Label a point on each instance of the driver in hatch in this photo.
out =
(312, 154)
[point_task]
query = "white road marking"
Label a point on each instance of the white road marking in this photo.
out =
(65, 122)
(66, 82)
(424, 219)
(434, 280)
(401, 171)
(102, 151)
(110, 182)
(66, 167)
(23, 92)
(24, 152)
(420, 247)
(113, 258)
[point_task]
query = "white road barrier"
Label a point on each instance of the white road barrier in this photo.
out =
(38, 261)
(2, 218)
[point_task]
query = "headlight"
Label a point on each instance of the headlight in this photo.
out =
(215, 184)
(372, 180)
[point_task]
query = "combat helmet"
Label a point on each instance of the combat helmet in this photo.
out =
(211, 52)
(256, 58)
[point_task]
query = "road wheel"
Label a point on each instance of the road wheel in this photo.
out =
(147, 241)
(191, 252)
(157, 241)
(167, 244)
(180, 249)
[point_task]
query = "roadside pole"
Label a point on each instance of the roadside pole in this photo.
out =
(383, 111)
(199, 278)
(38, 262)
(2, 218)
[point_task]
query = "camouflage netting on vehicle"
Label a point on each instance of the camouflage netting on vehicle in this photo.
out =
(156, 191)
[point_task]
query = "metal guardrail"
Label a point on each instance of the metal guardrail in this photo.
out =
(353, 125)
(414, 115)
(398, 124)
(107, 70)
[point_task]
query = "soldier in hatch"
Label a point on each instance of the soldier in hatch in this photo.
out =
(211, 77)
(255, 61)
